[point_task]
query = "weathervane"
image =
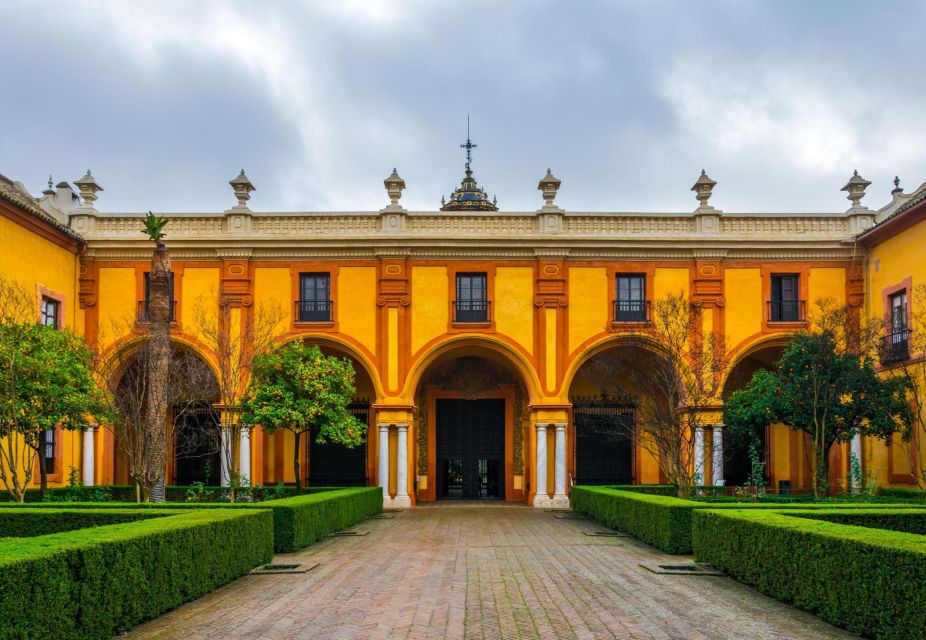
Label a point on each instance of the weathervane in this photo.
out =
(469, 146)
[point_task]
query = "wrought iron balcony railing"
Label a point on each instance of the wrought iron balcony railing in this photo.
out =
(632, 311)
(787, 311)
(313, 310)
(895, 347)
(472, 310)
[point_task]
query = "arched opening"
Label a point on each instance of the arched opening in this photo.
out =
(326, 464)
(737, 464)
(472, 422)
(193, 438)
(607, 392)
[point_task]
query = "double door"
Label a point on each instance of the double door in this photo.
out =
(470, 449)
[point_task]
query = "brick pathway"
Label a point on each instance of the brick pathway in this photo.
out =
(483, 572)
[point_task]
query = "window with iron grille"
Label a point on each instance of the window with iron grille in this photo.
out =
(472, 303)
(143, 316)
(785, 305)
(48, 453)
(50, 312)
(896, 345)
(314, 304)
(630, 301)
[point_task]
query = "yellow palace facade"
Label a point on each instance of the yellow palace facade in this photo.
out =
(475, 332)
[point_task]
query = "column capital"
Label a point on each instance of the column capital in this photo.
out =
(560, 426)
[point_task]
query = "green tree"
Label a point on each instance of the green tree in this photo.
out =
(298, 388)
(46, 381)
(827, 387)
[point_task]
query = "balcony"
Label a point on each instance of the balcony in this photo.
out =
(895, 347)
(313, 310)
(142, 313)
(632, 311)
(787, 311)
(470, 311)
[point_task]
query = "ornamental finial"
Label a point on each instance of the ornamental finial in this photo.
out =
(394, 187)
(242, 187)
(88, 189)
(703, 189)
(855, 187)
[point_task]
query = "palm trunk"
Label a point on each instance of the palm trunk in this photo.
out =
(158, 364)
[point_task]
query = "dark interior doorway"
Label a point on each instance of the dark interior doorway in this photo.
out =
(470, 449)
(334, 465)
(196, 448)
(604, 444)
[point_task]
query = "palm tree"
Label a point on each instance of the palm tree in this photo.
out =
(159, 304)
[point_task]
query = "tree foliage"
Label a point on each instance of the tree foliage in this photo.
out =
(825, 385)
(298, 388)
(46, 382)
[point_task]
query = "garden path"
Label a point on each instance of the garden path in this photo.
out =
(475, 571)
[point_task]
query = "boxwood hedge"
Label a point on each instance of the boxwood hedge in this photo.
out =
(664, 521)
(125, 492)
(297, 522)
(94, 583)
(26, 522)
(865, 580)
(905, 520)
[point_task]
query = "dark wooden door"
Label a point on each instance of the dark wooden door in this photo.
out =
(197, 454)
(470, 449)
(604, 444)
(334, 465)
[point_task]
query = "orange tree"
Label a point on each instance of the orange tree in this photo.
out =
(298, 388)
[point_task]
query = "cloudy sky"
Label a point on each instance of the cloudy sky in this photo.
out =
(317, 101)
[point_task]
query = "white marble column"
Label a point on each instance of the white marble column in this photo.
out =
(87, 458)
(223, 456)
(383, 470)
(244, 455)
(541, 497)
(560, 499)
(717, 457)
(699, 454)
(401, 495)
(856, 449)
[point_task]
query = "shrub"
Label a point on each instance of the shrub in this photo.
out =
(27, 522)
(867, 581)
(297, 522)
(94, 583)
(905, 520)
(665, 522)
(902, 494)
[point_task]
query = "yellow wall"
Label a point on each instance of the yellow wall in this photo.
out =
(430, 304)
(588, 303)
(825, 283)
(273, 286)
(117, 304)
(669, 281)
(514, 306)
(35, 262)
(200, 288)
(357, 304)
(743, 295)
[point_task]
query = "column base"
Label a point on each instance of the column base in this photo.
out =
(399, 502)
(558, 501)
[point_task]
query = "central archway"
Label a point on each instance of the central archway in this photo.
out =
(471, 411)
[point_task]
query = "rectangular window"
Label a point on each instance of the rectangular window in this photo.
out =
(314, 304)
(50, 309)
(899, 312)
(170, 294)
(48, 453)
(896, 346)
(785, 305)
(630, 301)
(472, 304)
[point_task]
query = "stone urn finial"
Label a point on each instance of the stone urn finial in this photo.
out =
(88, 189)
(897, 188)
(703, 189)
(856, 189)
(394, 187)
(242, 187)
(548, 187)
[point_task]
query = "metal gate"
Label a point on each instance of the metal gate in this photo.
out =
(604, 444)
(334, 465)
(470, 449)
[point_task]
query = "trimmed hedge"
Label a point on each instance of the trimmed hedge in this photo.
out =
(297, 522)
(904, 520)
(903, 494)
(27, 522)
(870, 582)
(97, 582)
(125, 492)
(664, 521)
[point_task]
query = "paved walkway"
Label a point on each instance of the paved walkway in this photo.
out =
(483, 572)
